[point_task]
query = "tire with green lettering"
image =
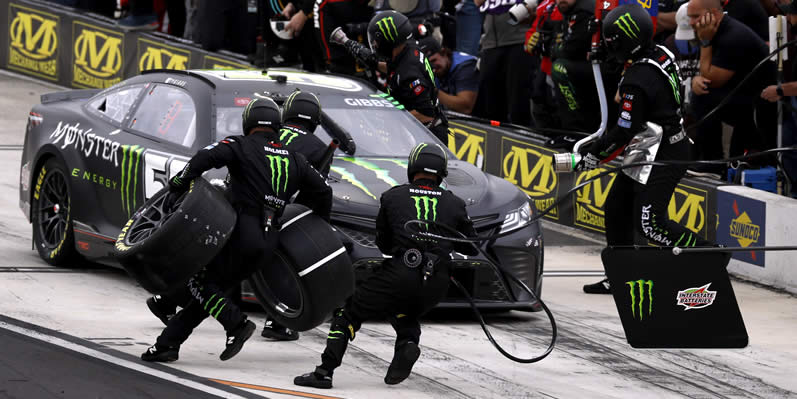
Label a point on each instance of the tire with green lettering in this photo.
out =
(163, 245)
(51, 215)
(309, 275)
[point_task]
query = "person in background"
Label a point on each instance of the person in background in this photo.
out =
(456, 76)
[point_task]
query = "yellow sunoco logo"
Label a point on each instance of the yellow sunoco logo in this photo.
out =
(98, 56)
(155, 56)
(532, 171)
(33, 42)
(688, 208)
(591, 199)
(467, 145)
(744, 230)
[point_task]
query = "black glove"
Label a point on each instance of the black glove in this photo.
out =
(178, 185)
(590, 158)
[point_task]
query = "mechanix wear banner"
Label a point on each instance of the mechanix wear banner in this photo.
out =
(669, 301)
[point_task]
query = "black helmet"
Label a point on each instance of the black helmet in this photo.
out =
(429, 158)
(263, 112)
(302, 106)
(627, 31)
(387, 30)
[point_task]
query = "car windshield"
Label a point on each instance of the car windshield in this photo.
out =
(376, 132)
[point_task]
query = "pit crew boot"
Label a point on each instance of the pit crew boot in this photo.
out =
(278, 332)
(601, 287)
(403, 359)
(236, 339)
(319, 378)
(161, 309)
(161, 354)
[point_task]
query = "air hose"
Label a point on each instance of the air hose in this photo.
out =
(501, 271)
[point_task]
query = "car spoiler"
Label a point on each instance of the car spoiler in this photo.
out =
(68, 95)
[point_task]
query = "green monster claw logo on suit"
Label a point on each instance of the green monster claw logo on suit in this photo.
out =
(279, 170)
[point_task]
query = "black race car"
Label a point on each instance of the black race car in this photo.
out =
(92, 157)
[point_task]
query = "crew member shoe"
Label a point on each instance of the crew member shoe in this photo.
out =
(236, 340)
(160, 309)
(403, 360)
(161, 354)
(275, 331)
(317, 379)
(601, 287)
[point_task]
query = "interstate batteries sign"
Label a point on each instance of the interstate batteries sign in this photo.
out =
(33, 42)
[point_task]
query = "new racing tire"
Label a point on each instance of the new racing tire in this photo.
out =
(310, 274)
(51, 215)
(163, 244)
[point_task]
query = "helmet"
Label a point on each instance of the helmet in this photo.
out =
(387, 30)
(430, 158)
(263, 112)
(627, 30)
(278, 27)
(303, 106)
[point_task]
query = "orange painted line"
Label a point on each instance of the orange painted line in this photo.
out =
(275, 390)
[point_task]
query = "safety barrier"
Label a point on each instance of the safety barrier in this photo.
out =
(81, 50)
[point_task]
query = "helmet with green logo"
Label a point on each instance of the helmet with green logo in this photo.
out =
(261, 112)
(302, 107)
(386, 31)
(429, 158)
(627, 31)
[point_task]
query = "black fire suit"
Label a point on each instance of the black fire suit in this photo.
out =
(330, 14)
(297, 139)
(650, 91)
(264, 176)
(395, 290)
(410, 80)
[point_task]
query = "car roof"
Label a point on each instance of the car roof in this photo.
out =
(325, 84)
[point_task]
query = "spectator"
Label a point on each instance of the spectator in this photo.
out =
(729, 51)
(228, 25)
(505, 81)
(539, 39)
(665, 21)
(141, 16)
(683, 44)
(330, 14)
(751, 13)
(171, 16)
(469, 27)
(787, 92)
(456, 76)
(305, 42)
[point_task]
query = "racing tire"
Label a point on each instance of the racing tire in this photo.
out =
(51, 215)
(163, 245)
(309, 275)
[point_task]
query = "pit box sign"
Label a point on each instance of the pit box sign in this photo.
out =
(151, 54)
(211, 62)
(742, 223)
(467, 143)
(589, 202)
(530, 168)
(33, 42)
(97, 56)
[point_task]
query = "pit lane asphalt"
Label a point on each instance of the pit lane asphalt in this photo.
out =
(101, 312)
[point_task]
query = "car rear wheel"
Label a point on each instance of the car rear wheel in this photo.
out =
(51, 211)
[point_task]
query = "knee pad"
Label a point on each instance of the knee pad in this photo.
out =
(341, 327)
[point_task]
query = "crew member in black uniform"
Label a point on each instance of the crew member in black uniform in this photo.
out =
(264, 176)
(410, 78)
(414, 280)
(301, 114)
(650, 108)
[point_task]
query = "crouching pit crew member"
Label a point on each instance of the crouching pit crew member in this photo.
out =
(410, 283)
(263, 178)
(300, 117)
(410, 78)
(649, 123)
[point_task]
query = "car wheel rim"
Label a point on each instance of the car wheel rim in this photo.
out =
(150, 219)
(280, 287)
(53, 210)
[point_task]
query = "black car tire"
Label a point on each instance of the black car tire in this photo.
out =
(310, 274)
(162, 246)
(51, 215)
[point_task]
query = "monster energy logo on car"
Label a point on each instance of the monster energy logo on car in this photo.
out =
(384, 25)
(423, 204)
(279, 170)
(131, 158)
(637, 290)
(627, 25)
(289, 135)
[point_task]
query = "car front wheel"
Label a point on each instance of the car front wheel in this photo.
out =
(51, 212)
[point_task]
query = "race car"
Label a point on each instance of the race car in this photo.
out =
(92, 157)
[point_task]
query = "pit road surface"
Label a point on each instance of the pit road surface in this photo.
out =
(77, 332)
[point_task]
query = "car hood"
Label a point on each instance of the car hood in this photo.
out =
(358, 182)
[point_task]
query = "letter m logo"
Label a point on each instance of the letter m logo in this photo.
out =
(42, 39)
(279, 173)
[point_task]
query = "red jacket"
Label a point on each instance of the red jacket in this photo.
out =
(546, 11)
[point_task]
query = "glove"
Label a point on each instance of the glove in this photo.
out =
(338, 36)
(531, 44)
(588, 162)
